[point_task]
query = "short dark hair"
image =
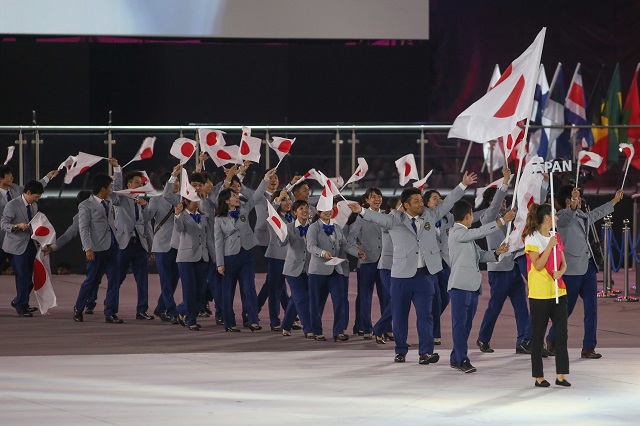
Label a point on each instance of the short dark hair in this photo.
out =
(297, 204)
(460, 209)
(197, 177)
(427, 195)
(34, 187)
(487, 197)
(299, 185)
(563, 194)
(207, 176)
(99, 182)
(392, 203)
(82, 195)
(5, 170)
(131, 175)
(407, 194)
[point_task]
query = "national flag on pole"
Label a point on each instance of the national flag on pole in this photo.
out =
(186, 189)
(325, 203)
(539, 137)
(81, 164)
(606, 143)
(249, 146)
(281, 146)
(575, 109)
(494, 77)
(210, 137)
(276, 222)
(480, 191)
(44, 234)
(595, 106)
(589, 159)
(183, 149)
(511, 144)
(146, 188)
(362, 169)
(628, 150)
(631, 116)
(341, 213)
(498, 112)
(311, 174)
(145, 151)
(10, 150)
(222, 155)
(328, 183)
(66, 164)
(497, 158)
(553, 115)
(407, 169)
(420, 184)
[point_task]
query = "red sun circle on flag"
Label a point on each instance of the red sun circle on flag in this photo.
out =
(222, 154)
(146, 153)
(324, 192)
(407, 169)
(41, 231)
(84, 169)
(627, 152)
(187, 149)
(69, 166)
(334, 212)
(212, 138)
(187, 191)
(244, 148)
(144, 180)
(39, 275)
(585, 159)
(276, 221)
(284, 146)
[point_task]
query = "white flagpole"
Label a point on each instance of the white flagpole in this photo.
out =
(553, 228)
(279, 162)
(578, 173)
(127, 164)
(625, 173)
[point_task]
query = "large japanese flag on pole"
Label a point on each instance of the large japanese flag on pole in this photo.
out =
(498, 112)
(407, 169)
(44, 234)
(276, 223)
(183, 149)
(145, 151)
(81, 164)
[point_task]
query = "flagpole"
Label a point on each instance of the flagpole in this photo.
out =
(127, 164)
(625, 173)
(578, 173)
(553, 227)
(280, 161)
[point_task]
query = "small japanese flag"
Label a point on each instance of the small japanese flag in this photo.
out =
(281, 146)
(222, 155)
(210, 137)
(183, 149)
(276, 223)
(422, 182)
(341, 213)
(146, 188)
(10, 150)
(82, 163)
(66, 164)
(590, 159)
(45, 234)
(362, 169)
(407, 169)
(628, 150)
(325, 203)
(480, 191)
(249, 146)
(186, 189)
(145, 151)
(329, 183)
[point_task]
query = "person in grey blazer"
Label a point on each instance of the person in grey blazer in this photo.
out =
(9, 191)
(416, 261)
(325, 241)
(15, 222)
(581, 279)
(234, 239)
(465, 282)
(295, 269)
(96, 221)
(134, 237)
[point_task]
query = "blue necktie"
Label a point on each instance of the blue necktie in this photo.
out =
(439, 223)
(9, 198)
(29, 215)
(106, 208)
(137, 210)
(303, 229)
(413, 225)
(288, 217)
(196, 217)
(235, 214)
(328, 229)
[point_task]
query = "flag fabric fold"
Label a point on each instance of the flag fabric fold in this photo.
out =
(145, 151)
(249, 147)
(407, 169)
(420, 184)
(281, 146)
(575, 108)
(183, 149)
(146, 188)
(276, 223)
(606, 145)
(186, 189)
(210, 137)
(82, 162)
(10, 150)
(553, 115)
(360, 172)
(44, 234)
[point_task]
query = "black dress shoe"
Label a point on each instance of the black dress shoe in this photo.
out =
(400, 358)
(380, 340)
(428, 359)
(113, 319)
(546, 353)
(13, 304)
(207, 309)
(320, 338)
(484, 347)
(389, 337)
(455, 366)
(467, 368)
(542, 384)
(437, 342)
(341, 337)
(164, 317)
(358, 332)
(181, 320)
(25, 314)
(232, 330)
(255, 327)
(77, 316)
(144, 316)
(563, 383)
(88, 311)
(296, 325)
(219, 321)
(32, 309)
(524, 347)
(277, 328)
(590, 354)
(204, 314)
(174, 321)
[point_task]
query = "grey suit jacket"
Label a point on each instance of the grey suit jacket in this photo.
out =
(466, 256)
(126, 224)
(574, 228)
(94, 225)
(407, 245)
(318, 241)
(157, 210)
(386, 254)
(496, 238)
(262, 228)
(173, 199)
(16, 192)
(16, 212)
(368, 236)
(196, 241)
(230, 234)
(72, 231)
(297, 259)
(275, 250)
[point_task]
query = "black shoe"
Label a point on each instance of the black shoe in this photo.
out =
(467, 368)
(367, 336)
(13, 304)
(194, 327)
(546, 353)
(277, 328)
(428, 359)
(310, 336)
(144, 316)
(32, 309)
(204, 314)
(341, 337)
(77, 316)
(524, 347)
(296, 326)
(24, 314)
(174, 320)
(207, 309)
(455, 366)
(380, 340)
(164, 317)
(232, 330)
(484, 347)
(255, 327)
(399, 358)
(181, 320)
(219, 321)
(245, 324)
(589, 354)
(88, 311)
(389, 337)
(320, 338)
(563, 383)
(358, 332)
(113, 319)
(437, 342)
(542, 384)
(551, 347)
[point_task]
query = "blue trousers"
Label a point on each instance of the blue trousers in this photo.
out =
(193, 276)
(276, 287)
(384, 324)
(105, 261)
(136, 256)
(264, 294)
(441, 298)
(299, 303)
(345, 305)
(214, 281)
(418, 290)
(464, 304)
(585, 286)
(169, 276)
(505, 284)
(23, 269)
(368, 277)
(239, 268)
(319, 285)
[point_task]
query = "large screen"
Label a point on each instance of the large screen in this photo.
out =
(267, 19)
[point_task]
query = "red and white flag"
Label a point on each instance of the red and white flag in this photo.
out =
(629, 152)
(281, 146)
(422, 182)
(145, 151)
(222, 155)
(183, 149)
(249, 146)
(362, 169)
(276, 222)
(407, 169)
(66, 164)
(480, 191)
(81, 164)
(590, 159)
(509, 101)
(44, 234)
(146, 188)
(211, 137)
(527, 193)
(10, 150)
(329, 183)
(341, 213)
(186, 189)
(325, 203)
